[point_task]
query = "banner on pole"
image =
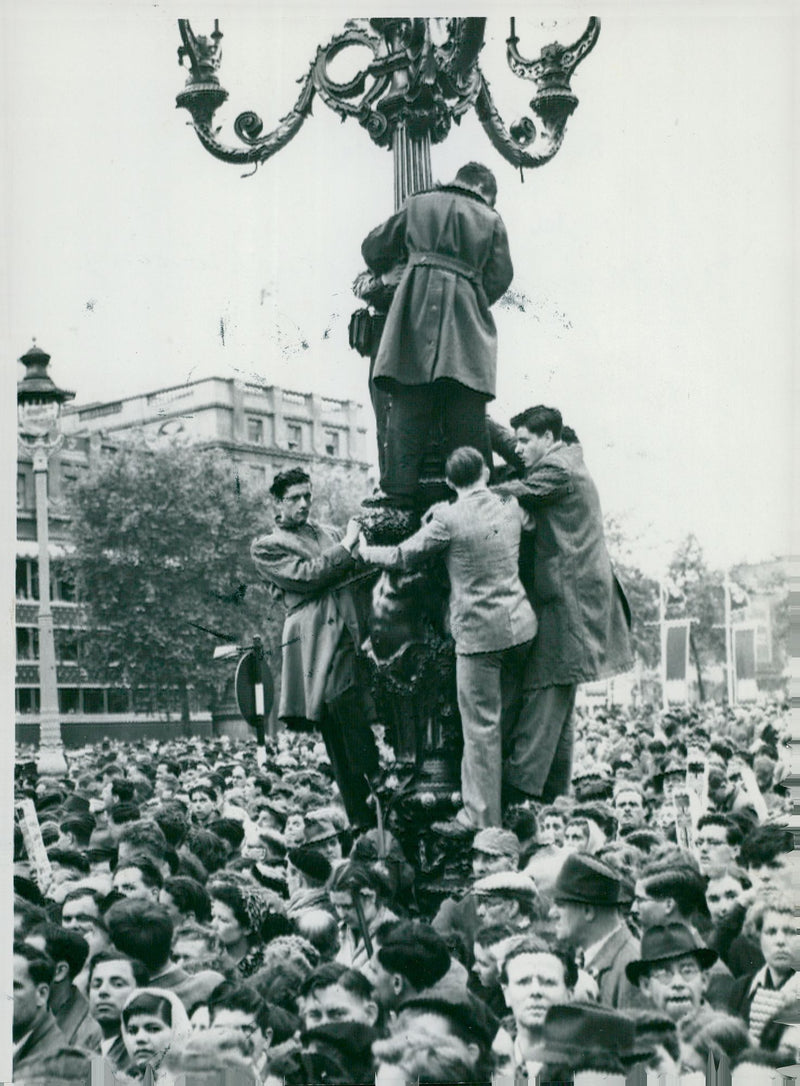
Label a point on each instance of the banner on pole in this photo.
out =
(744, 662)
(676, 652)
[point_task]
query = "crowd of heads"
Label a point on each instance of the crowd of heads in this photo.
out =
(197, 912)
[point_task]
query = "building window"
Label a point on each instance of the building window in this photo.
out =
(255, 431)
(118, 701)
(66, 647)
(69, 699)
(257, 475)
(94, 700)
(294, 437)
(27, 699)
(27, 643)
(27, 579)
(64, 588)
(22, 490)
(332, 443)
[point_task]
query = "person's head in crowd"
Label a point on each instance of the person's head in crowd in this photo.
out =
(450, 1020)
(577, 834)
(764, 768)
(193, 942)
(76, 831)
(138, 877)
(112, 977)
(773, 920)
(716, 842)
(319, 927)
(724, 892)
(657, 1036)
(240, 1008)
(534, 975)
(141, 928)
(190, 866)
(153, 1020)
(306, 869)
(766, 854)
(82, 912)
(102, 857)
(669, 890)
(236, 918)
(536, 430)
(32, 980)
(116, 790)
(68, 866)
(552, 826)
(209, 849)
(672, 971)
(578, 1038)
(493, 850)
(280, 984)
(323, 835)
(185, 899)
(173, 820)
(203, 804)
(231, 832)
(508, 897)
(27, 915)
(143, 837)
(411, 957)
(490, 940)
(293, 950)
(66, 949)
(711, 1033)
(355, 888)
(629, 806)
(422, 1055)
(587, 900)
(333, 993)
(291, 490)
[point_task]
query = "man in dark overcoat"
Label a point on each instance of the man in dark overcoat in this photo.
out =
(584, 617)
(438, 350)
(310, 568)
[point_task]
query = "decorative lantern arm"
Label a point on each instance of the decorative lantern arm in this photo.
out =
(564, 59)
(512, 147)
(248, 127)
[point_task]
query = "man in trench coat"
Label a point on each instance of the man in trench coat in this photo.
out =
(310, 568)
(584, 617)
(438, 350)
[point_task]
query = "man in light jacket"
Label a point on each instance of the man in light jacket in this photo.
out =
(491, 619)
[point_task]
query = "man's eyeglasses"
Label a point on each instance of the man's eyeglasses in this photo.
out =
(665, 973)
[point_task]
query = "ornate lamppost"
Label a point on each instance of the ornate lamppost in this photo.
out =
(39, 403)
(424, 76)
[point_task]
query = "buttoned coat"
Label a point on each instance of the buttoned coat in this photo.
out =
(44, 1046)
(608, 969)
(584, 617)
(308, 569)
(439, 325)
(479, 535)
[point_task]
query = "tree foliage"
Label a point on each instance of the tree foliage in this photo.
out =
(698, 595)
(161, 537)
(642, 593)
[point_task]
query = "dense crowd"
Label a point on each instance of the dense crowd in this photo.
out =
(197, 912)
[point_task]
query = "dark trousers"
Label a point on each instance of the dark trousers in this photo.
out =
(352, 752)
(538, 748)
(446, 412)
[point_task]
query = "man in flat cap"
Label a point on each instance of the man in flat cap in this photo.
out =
(493, 849)
(584, 617)
(509, 897)
(588, 901)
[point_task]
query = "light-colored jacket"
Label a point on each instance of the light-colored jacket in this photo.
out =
(308, 569)
(479, 535)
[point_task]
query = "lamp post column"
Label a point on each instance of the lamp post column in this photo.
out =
(50, 761)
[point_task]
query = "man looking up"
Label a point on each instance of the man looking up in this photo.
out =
(533, 977)
(309, 566)
(438, 350)
(491, 620)
(584, 618)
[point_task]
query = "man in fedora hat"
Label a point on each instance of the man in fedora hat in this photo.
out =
(584, 1037)
(588, 897)
(438, 350)
(672, 970)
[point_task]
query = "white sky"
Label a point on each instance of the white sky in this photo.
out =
(656, 248)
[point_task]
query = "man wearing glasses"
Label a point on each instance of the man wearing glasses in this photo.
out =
(309, 567)
(672, 970)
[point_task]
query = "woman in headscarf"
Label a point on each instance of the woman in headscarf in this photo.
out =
(153, 1020)
(237, 915)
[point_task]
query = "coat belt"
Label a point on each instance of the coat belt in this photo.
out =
(451, 264)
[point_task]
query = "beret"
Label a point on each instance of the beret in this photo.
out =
(505, 882)
(311, 863)
(496, 842)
